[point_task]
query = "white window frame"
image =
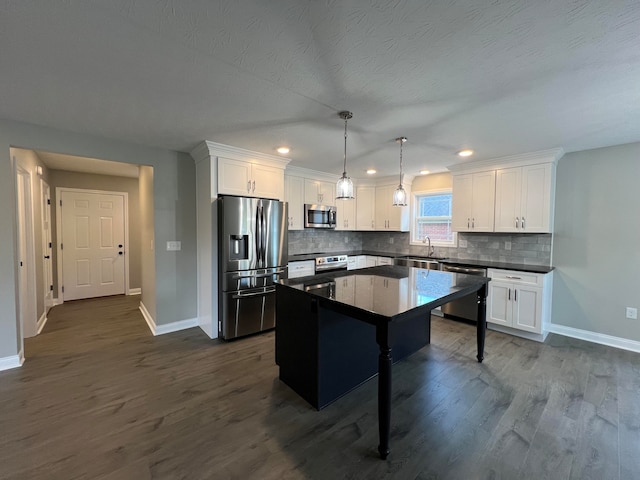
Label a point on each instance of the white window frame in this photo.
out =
(414, 214)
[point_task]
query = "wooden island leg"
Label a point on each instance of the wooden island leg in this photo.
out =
(385, 363)
(482, 321)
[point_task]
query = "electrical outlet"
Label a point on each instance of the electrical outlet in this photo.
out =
(391, 240)
(174, 246)
(632, 313)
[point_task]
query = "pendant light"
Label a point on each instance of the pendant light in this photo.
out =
(344, 187)
(400, 195)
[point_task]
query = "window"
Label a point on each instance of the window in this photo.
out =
(432, 218)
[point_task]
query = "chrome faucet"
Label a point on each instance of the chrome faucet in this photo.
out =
(430, 250)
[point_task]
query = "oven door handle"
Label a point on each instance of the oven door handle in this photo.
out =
(254, 294)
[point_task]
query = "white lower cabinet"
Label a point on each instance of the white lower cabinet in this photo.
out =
(302, 268)
(520, 301)
(370, 261)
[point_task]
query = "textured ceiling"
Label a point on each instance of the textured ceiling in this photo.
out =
(502, 77)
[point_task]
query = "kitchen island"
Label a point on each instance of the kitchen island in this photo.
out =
(336, 330)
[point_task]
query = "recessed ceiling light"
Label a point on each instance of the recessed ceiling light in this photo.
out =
(282, 150)
(465, 153)
(424, 172)
(371, 171)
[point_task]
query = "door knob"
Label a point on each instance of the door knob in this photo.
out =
(120, 246)
(119, 253)
(47, 257)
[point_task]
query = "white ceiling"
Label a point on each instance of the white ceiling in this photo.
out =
(502, 77)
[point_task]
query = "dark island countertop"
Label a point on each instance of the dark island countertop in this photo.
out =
(387, 291)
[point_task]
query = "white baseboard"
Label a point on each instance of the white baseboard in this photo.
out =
(536, 337)
(148, 318)
(134, 291)
(41, 322)
(176, 326)
(56, 302)
(595, 337)
(13, 361)
(169, 327)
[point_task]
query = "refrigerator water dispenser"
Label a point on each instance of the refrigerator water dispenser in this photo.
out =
(238, 247)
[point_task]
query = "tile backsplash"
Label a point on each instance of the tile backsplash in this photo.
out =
(530, 248)
(316, 240)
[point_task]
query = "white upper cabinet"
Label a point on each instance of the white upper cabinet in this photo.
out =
(510, 194)
(251, 179)
(387, 216)
(524, 199)
(346, 214)
(365, 208)
(537, 199)
(473, 199)
(294, 196)
(319, 192)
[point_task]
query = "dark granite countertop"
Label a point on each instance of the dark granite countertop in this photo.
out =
(388, 290)
(520, 267)
(312, 256)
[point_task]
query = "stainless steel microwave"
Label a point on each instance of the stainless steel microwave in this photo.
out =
(319, 216)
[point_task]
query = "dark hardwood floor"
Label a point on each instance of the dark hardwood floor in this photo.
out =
(100, 398)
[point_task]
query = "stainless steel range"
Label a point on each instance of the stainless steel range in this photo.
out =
(330, 263)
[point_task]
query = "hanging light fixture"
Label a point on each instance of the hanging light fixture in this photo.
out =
(344, 187)
(400, 195)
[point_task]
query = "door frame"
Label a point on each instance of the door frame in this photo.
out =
(29, 297)
(60, 258)
(48, 300)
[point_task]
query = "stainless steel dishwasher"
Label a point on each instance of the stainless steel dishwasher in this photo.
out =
(465, 307)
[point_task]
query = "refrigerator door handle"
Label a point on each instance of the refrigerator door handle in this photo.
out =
(258, 239)
(262, 247)
(266, 291)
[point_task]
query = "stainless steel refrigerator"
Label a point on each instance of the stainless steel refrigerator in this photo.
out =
(253, 249)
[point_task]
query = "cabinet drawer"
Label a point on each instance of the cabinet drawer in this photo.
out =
(519, 278)
(385, 261)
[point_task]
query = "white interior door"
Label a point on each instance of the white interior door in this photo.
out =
(26, 266)
(46, 244)
(93, 237)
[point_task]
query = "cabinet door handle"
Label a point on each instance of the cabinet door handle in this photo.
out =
(509, 295)
(473, 223)
(468, 223)
(248, 186)
(254, 185)
(522, 222)
(517, 220)
(513, 277)
(515, 295)
(372, 225)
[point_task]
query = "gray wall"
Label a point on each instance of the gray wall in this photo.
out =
(110, 183)
(596, 248)
(147, 243)
(173, 209)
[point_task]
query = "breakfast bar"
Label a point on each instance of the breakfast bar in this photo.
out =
(337, 330)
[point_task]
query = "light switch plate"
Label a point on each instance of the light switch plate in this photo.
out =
(632, 313)
(174, 246)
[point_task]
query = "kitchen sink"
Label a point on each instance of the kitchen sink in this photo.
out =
(418, 262)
